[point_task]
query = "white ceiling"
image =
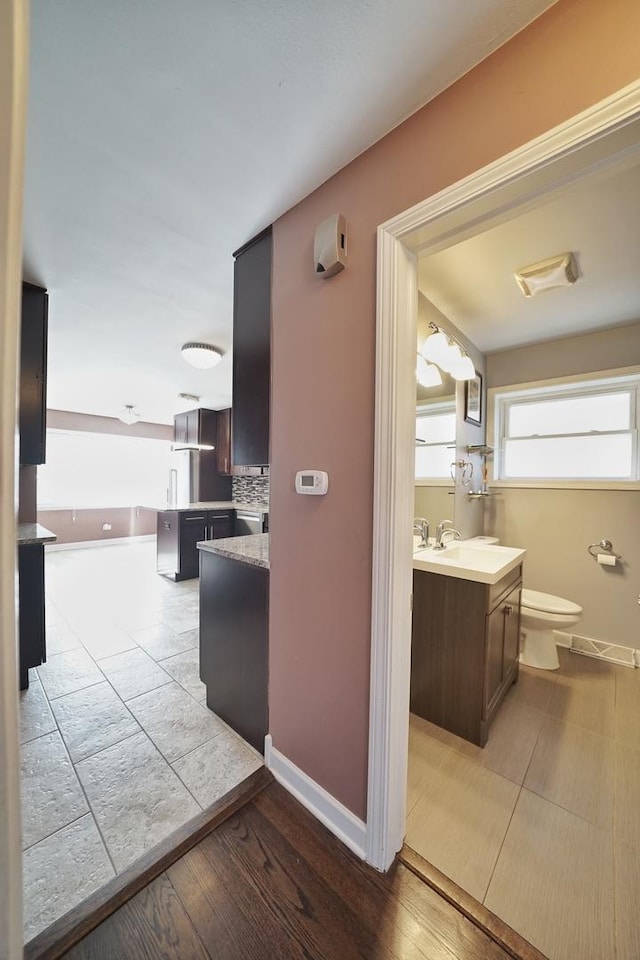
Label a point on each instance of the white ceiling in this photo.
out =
(598, 218)
(163, 135)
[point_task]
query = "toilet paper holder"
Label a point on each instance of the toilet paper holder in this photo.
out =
(604, 546)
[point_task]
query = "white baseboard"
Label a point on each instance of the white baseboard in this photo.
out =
(329, 811)
(107, 542)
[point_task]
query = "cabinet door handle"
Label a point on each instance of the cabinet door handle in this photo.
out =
(193, 519)
(508, 610)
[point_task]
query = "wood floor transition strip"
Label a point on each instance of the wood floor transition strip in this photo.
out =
(58, 938)
(495, 928)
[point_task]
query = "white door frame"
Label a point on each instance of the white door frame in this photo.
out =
(13, 87)
(587, 142)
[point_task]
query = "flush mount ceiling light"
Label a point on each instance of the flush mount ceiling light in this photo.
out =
(560, 271)
(427, 374)
(201, 355)
(445, 351)
(128, 415)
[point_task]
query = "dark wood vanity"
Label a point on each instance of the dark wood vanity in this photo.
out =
(464, 650)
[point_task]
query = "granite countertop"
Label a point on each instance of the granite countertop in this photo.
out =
(253, 549)
(211, 505)
(34, 533)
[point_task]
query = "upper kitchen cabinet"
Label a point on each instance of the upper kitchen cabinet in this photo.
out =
(252, 352)
(195, 428)
(223, 446)
(33, 374)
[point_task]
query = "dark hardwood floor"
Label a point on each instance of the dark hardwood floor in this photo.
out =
(271, 882)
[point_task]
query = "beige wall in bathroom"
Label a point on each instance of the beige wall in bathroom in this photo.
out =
(556, 526)
(433, 503)
(599, 350)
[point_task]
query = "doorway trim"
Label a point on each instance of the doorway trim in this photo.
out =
(518, 179)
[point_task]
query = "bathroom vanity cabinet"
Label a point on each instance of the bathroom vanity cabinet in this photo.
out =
(464, 650)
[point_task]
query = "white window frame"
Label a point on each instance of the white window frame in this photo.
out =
(500, 399)
(435, 408)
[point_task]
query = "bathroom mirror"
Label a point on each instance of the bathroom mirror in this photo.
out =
(435, 440)
(443, 436)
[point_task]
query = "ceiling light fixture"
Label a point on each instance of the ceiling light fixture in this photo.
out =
(128, 415)
(201, 355)
(560, 271)
(444, 350)
(427, 374)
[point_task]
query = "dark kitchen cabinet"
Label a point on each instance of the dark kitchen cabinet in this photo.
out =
(252, 352)
(234, 643)
(33, 374)
(195, 428)
(178, 533)
(464, 650)
(223, 446)
(31, 607)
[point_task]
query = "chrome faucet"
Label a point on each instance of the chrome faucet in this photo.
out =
(445, 527)
(421, 526)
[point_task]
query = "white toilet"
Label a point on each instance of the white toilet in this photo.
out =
(540, 615)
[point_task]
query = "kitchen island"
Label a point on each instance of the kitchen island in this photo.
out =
(181, 528)
(234, 632)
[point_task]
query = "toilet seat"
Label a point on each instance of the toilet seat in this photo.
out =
(547, 603)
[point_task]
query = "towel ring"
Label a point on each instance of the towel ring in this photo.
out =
(603, 546)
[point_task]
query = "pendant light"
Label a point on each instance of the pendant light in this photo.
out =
(128, 415)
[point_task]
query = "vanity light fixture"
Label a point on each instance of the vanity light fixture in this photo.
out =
(560, 271)
(444, 350)
(427, 374)
(128, 415)
(203, 356)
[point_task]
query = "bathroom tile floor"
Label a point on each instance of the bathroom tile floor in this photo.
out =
(542, 825)
(118, 746)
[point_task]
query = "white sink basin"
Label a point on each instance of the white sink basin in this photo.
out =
(469, 560)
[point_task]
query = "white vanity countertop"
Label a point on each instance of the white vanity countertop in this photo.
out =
(469, 560)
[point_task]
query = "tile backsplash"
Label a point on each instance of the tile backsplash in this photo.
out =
(250, 489)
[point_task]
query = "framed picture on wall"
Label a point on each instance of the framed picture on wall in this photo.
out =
(473, 400)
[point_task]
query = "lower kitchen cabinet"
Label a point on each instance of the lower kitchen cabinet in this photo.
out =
(234, 643)
(31, 607)
(178, 533)
(464, 650)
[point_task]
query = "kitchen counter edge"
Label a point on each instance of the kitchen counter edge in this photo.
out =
(252, 549)
(34, 533)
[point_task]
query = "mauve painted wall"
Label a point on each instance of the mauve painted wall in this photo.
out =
(577, 53)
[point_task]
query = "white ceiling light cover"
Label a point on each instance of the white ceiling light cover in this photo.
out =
(203, 356)
(560, 271)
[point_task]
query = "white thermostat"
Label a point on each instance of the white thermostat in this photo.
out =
(313, 482)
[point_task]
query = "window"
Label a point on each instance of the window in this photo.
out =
(571, 432)
(102, 470)
(435, 436)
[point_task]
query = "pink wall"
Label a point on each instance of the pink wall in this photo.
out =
(66, 420)
(76, 526)
(577, 53)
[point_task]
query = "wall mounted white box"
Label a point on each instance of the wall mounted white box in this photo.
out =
(313, 483)
(330, 246)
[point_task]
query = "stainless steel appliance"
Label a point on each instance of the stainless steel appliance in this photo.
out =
(250, 521)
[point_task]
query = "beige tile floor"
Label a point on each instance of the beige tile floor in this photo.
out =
(543, 824)
(118, 746)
